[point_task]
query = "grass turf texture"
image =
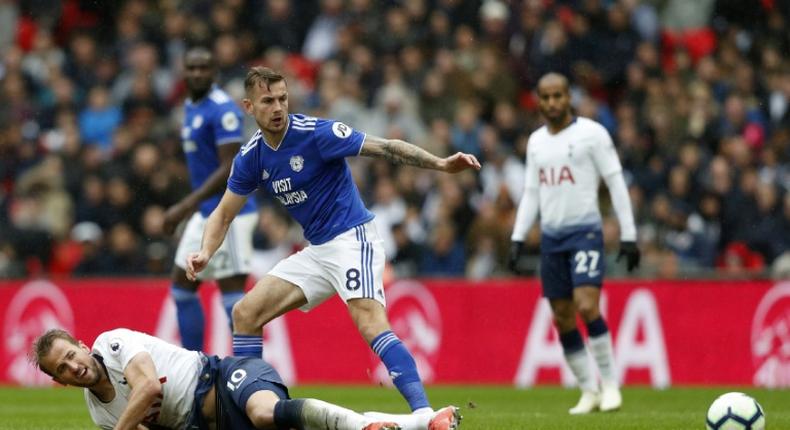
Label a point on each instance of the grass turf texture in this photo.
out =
(483, 407)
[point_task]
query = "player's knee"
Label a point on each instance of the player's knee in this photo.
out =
(244, 317)
(262, 417)
(369, 317)
(260, 409)
(564, 323)
(588, 310)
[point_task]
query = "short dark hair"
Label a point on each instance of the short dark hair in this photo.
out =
(43, 344)
(199, 51)
(260, 75)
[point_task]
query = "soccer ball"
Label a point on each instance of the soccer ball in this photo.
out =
(735, 411)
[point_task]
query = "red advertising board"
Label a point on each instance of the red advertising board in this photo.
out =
(665, 332)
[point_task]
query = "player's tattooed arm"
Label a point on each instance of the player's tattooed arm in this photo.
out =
(400, 152)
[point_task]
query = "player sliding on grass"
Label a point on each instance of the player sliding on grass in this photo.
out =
(300, 160)
(565, 161)
(136, 381)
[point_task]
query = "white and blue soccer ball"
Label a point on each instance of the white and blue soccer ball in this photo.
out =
(735, 411)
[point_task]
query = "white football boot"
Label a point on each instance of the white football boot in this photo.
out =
(589, 402)
(611, 399)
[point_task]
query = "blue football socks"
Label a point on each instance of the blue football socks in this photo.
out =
(190, 318)
(245, 345)
(597, 328)
(402, 369)
(288, 414)
(571, 341)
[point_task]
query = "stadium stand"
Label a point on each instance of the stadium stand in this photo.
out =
(695, 94)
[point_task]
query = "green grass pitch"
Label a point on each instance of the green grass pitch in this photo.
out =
(483, 407)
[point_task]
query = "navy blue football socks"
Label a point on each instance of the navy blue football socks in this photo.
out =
(402, 369)
(571, 341)
(245, 345)
(288, 414)
(597, 328)
(190, 318)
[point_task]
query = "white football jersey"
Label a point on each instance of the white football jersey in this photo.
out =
(178, 371)
(566, 168)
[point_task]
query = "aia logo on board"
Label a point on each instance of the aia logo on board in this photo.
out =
(36, 307)
(416, 319)
(771, 338)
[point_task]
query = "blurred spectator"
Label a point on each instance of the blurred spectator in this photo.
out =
(99, 119)
(280, 26)
(94, 261)
(444, 255)
(695, 93)
(321, 39)
(407, 255)
(389, 209)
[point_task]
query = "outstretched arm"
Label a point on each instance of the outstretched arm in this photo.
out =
(400, 152)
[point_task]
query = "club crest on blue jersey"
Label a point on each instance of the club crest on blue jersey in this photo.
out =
(197, 121)
(264, 176)
(297, 163)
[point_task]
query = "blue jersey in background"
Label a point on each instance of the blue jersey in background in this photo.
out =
(210, 122)
(308, 174)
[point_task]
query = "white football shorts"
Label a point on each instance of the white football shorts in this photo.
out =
(351, 265)
(232, 257)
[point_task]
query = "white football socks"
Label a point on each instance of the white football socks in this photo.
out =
(580, 366)
(318, 414)
(406, 421)
(602, 352)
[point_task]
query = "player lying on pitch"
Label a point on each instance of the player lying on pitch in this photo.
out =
(136, 381)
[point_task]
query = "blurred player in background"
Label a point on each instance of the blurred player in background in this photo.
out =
(566, 159)
(133, 380)
(301, 161)
(211, 136)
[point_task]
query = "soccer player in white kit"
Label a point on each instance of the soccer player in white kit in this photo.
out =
(566, 159)
(136, 381)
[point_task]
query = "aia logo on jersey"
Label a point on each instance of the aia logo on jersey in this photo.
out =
(297, 163)
(551, 176)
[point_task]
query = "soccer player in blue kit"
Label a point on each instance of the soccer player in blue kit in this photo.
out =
(301, 161)
(211, 136)
(566, 160)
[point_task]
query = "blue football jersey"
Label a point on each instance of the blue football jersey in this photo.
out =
(208, 123)
(308, 174)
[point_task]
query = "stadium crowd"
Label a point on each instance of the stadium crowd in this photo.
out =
(696, 95)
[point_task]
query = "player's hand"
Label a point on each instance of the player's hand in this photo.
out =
(630, 251)
(460, 161)
(196, 262)
(516, 249)
(174, 215)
